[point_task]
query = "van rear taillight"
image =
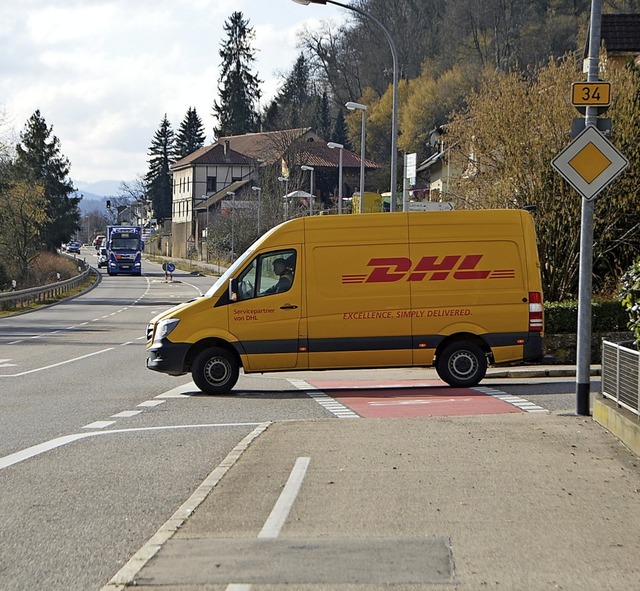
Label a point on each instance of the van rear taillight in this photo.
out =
(536, 316)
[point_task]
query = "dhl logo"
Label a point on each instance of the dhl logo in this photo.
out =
(431, 268)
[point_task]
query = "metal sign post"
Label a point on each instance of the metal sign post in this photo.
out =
(583, 373)
(589, 164)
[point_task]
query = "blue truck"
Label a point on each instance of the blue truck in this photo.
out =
(124, 250)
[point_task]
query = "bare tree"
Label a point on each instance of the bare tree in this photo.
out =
(505, 142)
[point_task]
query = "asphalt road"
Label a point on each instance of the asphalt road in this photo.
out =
(97, 452)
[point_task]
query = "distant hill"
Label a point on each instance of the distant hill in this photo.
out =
(91, 202)
(98, 189)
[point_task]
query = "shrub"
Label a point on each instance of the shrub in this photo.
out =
(606, 316)
(630, 298)
(47, 266)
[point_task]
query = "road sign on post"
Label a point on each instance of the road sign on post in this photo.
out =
(590, 162)
(595, 94)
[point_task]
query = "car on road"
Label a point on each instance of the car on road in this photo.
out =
(102, 257)
(73, 247)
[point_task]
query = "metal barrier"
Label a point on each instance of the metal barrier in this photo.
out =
(14, 300)
(621, 375)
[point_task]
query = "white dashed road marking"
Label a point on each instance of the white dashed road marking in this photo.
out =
(516, 401)
(331, 404)
(151, 403)
(99, 425)
(126, 414)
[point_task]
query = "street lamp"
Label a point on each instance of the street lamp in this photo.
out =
(285, 180)
(202, 199)
(394, 109)
(358, 106)
(233, 221)
(311, 179)
(341, 148)
(258, 190)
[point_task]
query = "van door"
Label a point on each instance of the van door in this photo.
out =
(267, 314)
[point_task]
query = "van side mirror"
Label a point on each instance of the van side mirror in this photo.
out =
(233, 289)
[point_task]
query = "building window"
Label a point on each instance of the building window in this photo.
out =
(212, 184)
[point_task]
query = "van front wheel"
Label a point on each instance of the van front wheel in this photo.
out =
(215, 371)
(461, 364)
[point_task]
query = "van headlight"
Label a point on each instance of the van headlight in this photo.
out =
(164, 328)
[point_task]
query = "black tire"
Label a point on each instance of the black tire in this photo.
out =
(462, 364)
(215, 371)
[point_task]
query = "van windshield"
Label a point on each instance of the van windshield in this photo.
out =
(230, 272)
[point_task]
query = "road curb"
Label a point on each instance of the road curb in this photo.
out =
(538, 372)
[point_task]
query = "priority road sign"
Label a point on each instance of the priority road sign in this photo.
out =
(590, 162)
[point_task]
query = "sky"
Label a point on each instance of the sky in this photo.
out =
(103, 73)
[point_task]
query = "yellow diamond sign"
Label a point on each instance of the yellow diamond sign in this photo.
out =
(590, 162)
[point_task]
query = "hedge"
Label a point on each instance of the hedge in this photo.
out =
(606, 316)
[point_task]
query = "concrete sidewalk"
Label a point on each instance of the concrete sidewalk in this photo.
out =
(515, 501)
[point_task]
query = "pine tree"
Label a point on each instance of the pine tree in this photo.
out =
(322, 122)
(295, 104)
(190, 135)
(39, 161)
(340, 132)
(157, 179)
(238, 87)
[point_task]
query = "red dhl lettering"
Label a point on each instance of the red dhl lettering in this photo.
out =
(429, 268)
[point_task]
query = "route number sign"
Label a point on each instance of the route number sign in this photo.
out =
(587, 94)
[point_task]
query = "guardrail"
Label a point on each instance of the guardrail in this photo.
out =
(621, 375)
(14, 300)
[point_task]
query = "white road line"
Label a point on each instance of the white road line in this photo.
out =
(179, 392)
(516, 401)
(99, 425)
(280, 511)
(126, 414)
(331, 404)
(24, 373)
(151, 403)
(41, 448)
(126, 574)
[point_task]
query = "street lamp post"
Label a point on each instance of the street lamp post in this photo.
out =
(202, 199)
(353, 106)
(233, 222)
(258, 190)
(394, 109)
(285, 180)
(341, 148)
(311, 179)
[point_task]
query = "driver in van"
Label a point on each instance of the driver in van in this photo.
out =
(285, 276)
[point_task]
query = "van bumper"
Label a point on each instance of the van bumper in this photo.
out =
(168, 357)
(533, 348)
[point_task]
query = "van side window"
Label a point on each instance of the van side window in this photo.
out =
(277, 271)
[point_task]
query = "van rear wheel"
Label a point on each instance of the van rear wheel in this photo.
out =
(215, 371)
(461, 364)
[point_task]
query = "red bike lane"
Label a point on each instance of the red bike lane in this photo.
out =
(410, 398)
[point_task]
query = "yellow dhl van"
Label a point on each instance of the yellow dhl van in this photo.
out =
(456, 289)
